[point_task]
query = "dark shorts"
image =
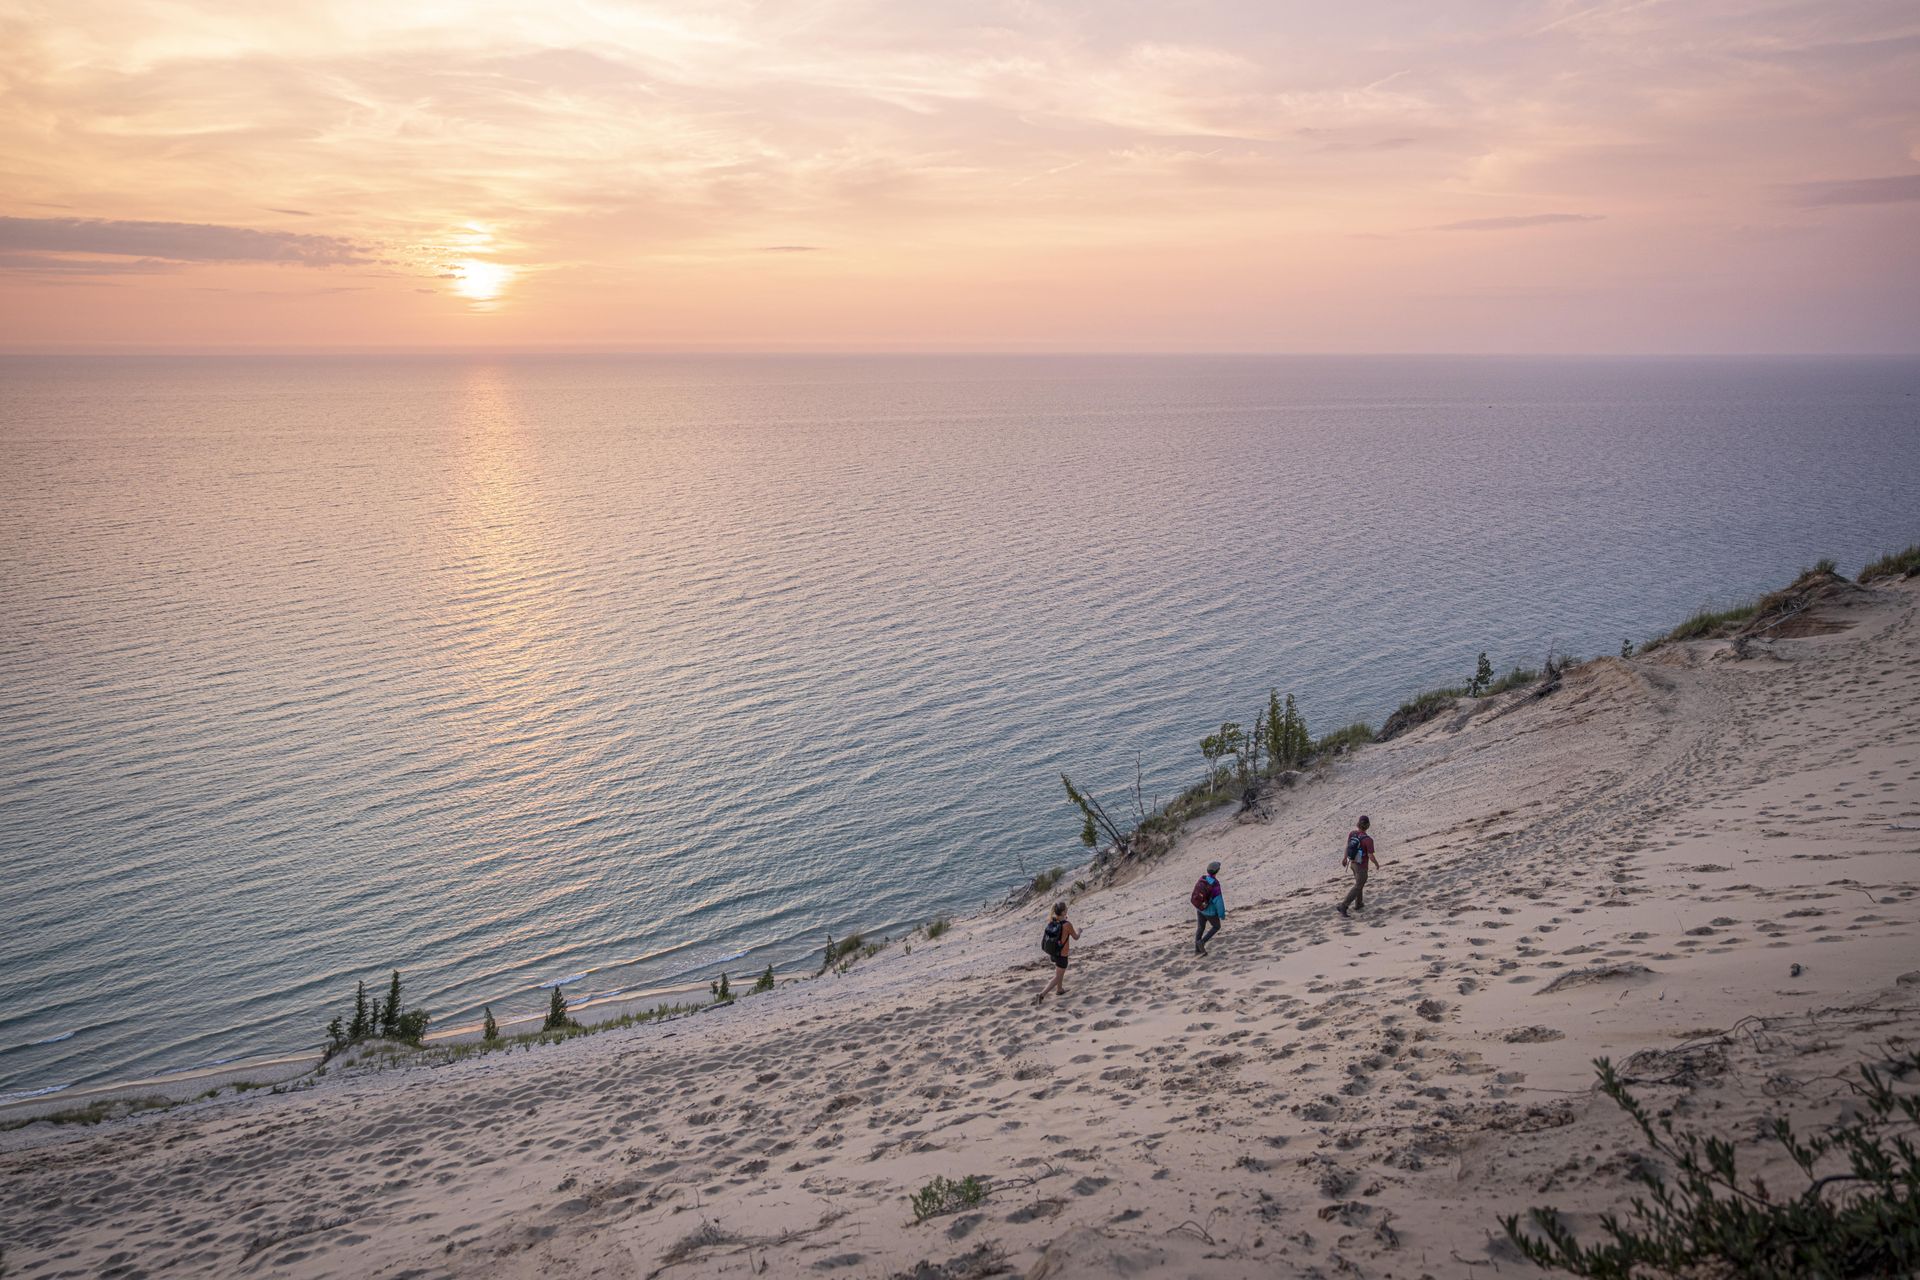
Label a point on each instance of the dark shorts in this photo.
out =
(1060, 961)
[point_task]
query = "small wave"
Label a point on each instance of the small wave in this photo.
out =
(24, 1094)
(561, 982)
(64, 1035)
(701, 966)
(197, 1066)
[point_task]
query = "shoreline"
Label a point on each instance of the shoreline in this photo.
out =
(279, 1068)
(275, 1070)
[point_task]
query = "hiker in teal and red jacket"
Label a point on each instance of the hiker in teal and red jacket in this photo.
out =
(1212, 906)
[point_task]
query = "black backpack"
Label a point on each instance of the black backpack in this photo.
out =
(1353, 846)
(1050, 940)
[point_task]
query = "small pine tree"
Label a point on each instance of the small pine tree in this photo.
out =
(1482, 677)
(766, 981)
(336, 1036)
(1276, 730)
(1095, 821)
(362, 1025)
(1626, 648)
(1298, 743)
(557, 1016)
(721, 990)
(489, 1029)
(390, 1010)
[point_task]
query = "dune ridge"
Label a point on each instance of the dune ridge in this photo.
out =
(1700, 863)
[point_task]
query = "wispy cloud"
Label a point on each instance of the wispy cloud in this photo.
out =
(1396, 143)
(931, 162)
(1515, 223)
(1892, 190)
(55, 265)
(175, 241)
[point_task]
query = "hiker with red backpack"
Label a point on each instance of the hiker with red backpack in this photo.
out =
(1211, 905)
(1054, 941)
(1358, 857)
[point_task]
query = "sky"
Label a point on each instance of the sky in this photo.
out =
(1552, 176)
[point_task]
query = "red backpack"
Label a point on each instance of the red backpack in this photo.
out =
(1202, 894)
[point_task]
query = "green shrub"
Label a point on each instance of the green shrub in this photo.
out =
(489, 1029)
(1707, 1221)
(764, 982)
(558, 1019)
(944, 1195)
(842, 955)
(937, 926)
(838, 951)
(1215, 747)
(1482, 676)
(1902, 564)
(1047, 879)
(722, 990)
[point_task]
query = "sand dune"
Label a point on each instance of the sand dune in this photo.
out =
(1632, 867)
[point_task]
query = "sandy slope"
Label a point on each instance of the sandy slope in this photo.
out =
(1317, 1097)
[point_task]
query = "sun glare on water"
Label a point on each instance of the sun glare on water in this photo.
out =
(480, 280)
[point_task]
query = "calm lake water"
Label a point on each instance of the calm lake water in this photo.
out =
(625, 671)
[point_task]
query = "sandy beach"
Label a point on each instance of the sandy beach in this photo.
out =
(1702, 865)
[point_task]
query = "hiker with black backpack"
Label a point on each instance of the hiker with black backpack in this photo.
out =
(1211, 904)
(1358, 857)
(1059, 933)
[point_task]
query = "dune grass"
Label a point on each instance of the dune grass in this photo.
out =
(1901, 564)
(94, 1112)
(1357, 734)
(1704, 622)
(1517, 678)
(556, 1035)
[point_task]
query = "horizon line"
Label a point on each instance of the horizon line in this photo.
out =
(159, 350)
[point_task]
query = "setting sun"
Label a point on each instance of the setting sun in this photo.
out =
(480, 280)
